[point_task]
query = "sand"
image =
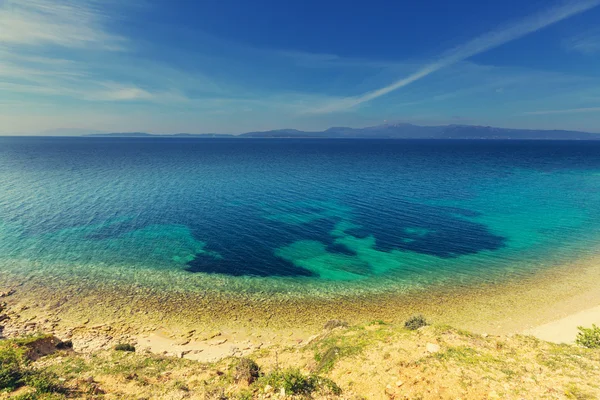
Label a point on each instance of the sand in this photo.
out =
(564, 330)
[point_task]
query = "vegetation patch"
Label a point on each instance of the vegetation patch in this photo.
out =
(335, 323)
(589, 337)
(125, 347)
(16, 371)
(246, 370)
(294, 382)
(415, 322)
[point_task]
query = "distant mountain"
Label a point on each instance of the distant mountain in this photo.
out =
(122, 134)
(410, 131)
(393, 131)
(144, 134)
(69, 132)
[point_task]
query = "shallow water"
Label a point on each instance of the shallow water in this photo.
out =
(303, 217)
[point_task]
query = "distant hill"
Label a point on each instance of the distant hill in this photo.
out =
(144, 134)
(409, 131)
(394, 131)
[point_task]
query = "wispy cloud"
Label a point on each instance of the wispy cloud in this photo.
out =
(476, 46)
(67, 23)
(565, 111)
(586, 43)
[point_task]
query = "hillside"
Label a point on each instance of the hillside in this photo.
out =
(370, 361)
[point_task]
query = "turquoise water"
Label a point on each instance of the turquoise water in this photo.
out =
(301, 217)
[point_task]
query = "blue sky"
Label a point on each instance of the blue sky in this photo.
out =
(166, 66)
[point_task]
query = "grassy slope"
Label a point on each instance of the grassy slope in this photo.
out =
(375, 361)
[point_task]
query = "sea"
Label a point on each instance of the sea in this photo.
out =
(300, 217)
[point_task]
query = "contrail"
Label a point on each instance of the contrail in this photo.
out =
(476, 46)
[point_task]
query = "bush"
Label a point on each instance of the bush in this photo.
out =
(295, 382)
(16, 372)
(335, 323)
(415, 322)
(246, 370)
(589, 337)
(43, 382)
(12, 361)
(64, 345)
(125, 347)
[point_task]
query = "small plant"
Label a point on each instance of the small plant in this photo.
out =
(589, 337)
(246, 371)
(125, 347)
(415, 322)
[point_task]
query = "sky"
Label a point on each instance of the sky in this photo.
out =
(233, 66)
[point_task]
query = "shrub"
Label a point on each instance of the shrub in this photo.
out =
(125, 347)
(335, 323)
(589, 337)
(12, 361)
(295, 382)
(415, 322)
(246, 370)
(64, 345)
(43, 382)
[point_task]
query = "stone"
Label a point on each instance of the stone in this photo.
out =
(268, 389)
(399, 383)
(432, 348)
(8, 293)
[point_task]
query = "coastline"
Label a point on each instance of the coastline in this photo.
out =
(544, 304)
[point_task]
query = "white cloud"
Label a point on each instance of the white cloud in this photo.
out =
(476, 46)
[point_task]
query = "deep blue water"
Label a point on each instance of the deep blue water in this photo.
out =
(294, 214)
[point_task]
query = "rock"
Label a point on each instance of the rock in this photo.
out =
(432, 348)
(8, 293)
(282, 392)
(184, 353)
(189, 334)
(268, 389)
(182, 342)
(89, 379)
(399, 383)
